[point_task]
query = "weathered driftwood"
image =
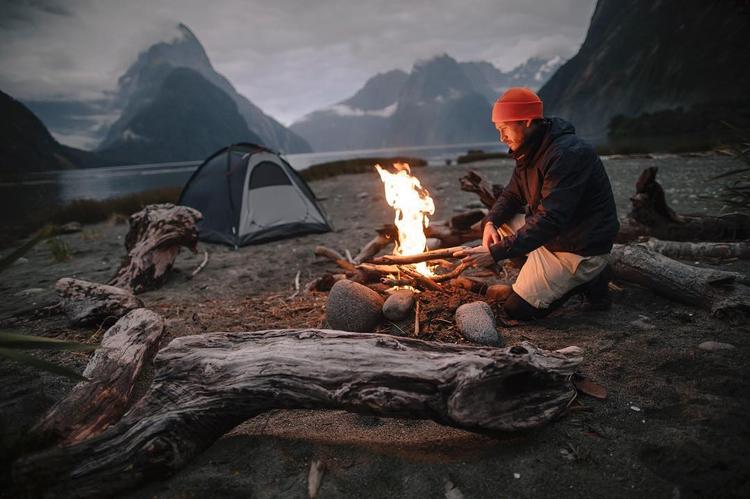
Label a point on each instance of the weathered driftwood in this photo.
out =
(722, 293)
(87, 302)
(93, 405)
(696, 251)
(651, 216)
(334, 256)
(487, 191)
(205, 385)
(156, 234)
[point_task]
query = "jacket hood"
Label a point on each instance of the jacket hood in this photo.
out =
(559, 127)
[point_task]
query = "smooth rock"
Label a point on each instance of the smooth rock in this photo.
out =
(353, 307)
(398, 305)
(713, 346)
(476, 323)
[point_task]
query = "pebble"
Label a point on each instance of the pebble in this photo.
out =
(353, 307)
(476, 323)
(398, 305)
(713, 346)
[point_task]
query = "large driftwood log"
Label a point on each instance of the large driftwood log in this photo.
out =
(724, 294)
(156, 234)
(87, 302)
(205, 385)
(696, 251)
(487, 191)
(651, 216)
(93, 405)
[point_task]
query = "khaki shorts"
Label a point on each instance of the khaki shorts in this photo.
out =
(546, 275)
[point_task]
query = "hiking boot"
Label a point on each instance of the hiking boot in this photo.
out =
(596, 292)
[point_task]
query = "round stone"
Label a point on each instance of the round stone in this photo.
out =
(398, 305)
(476, 323)
(353, 307)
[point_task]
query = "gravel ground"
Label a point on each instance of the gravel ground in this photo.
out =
(674, 424)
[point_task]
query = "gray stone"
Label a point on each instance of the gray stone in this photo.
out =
(713, 346)
(476, 323)
(398, 305)
(353, 307)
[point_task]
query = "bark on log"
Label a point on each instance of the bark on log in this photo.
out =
(156, 234)
(87, 302)
(94, 405)
(487, 191)
(696, 251)
(722, 293)
(205, 385)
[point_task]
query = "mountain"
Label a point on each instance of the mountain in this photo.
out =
(27, 146)
(645, 56)
(188, 117)
(142, 82)
(439, 101)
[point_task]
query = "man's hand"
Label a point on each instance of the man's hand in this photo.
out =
(490, 235)
(476, 257)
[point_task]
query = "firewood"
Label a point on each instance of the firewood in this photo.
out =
(452, 274)
(207, 384)
(372, 248)
(696, 251)
(201, 266)
(335, 257)
(156, 234)
(93, 405)
(724, 294)
(419, 257)
(423, 281)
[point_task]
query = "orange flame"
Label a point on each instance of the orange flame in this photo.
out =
(412, 203)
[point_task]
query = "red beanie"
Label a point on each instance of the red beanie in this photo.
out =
(517, 104)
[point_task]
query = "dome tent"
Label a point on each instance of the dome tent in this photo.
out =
(249, 194)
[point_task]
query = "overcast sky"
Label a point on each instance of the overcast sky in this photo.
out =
(287, 56)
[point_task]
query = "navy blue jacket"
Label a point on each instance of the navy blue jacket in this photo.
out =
(561, 182)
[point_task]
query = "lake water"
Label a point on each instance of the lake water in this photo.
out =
(39, 190)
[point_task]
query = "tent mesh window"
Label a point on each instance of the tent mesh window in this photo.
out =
(266, 174)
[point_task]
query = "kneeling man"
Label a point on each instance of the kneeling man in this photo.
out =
(558, 209)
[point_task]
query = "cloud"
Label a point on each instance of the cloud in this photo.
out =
(289, 56)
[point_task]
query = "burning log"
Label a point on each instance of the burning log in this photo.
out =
(205, 385)
(693, 251)
(156, 234)
(724, 294)
(387, 234)
(487, 191)
(422, 280)
(93, 405)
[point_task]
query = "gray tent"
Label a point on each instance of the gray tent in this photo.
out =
(249, 194)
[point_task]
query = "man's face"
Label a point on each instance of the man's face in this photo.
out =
(512, 133)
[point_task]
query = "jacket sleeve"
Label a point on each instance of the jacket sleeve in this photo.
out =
(562, 189)
(507, 203)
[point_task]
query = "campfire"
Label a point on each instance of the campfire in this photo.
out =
(412, 204)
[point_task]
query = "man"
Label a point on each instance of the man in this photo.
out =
(570, 218)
